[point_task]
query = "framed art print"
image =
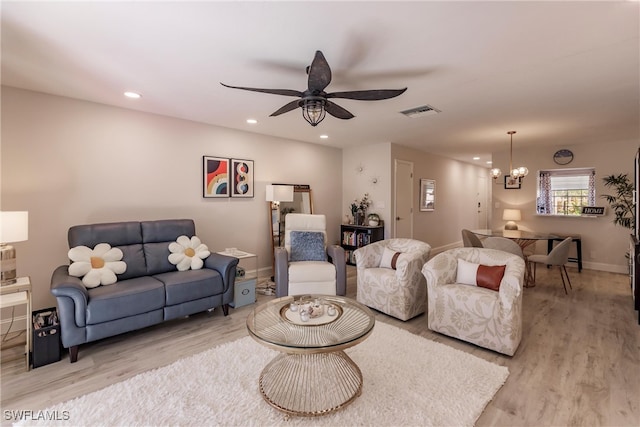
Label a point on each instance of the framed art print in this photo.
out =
(511, 183)
(241, 178)
(215, 177)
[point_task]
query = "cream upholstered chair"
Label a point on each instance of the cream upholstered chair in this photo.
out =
(503, 244)
(470, 240)
(306, 264)
(390, 283)
(558, 256)
(488, 318)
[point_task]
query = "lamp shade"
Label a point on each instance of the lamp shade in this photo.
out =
(279, 193)
(14, 226)
(511, 215)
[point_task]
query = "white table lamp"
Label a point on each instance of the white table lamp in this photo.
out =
(511, 215)
(279, 193)
(14, 227)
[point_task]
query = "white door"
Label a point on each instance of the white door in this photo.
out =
(482, 201)
(403, 206)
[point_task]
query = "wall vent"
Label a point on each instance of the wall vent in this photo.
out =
(425, 110)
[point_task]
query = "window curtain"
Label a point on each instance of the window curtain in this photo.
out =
(592, 189)
(544, 202)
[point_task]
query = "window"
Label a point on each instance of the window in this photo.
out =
(565, 191)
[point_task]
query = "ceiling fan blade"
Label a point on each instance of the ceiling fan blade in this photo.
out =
(285, 92)
(319, 73)
(285, 109)
(337, 111)
(368, 95)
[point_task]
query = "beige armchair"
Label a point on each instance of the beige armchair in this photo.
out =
(306, 264)
(395, 287)
(488, 318)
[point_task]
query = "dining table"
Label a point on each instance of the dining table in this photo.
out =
(524, 239)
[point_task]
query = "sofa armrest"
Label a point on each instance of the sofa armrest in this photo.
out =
(337, 258)
(281, 271)
(63, 285)
(225, 265)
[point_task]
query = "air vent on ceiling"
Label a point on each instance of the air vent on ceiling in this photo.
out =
(425, 110)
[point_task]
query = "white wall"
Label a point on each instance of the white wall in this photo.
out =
(361, 166)
(456, 197)
(71, 162)
(603, 244)
(456, 188)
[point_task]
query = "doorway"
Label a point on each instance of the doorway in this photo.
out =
(482, 202)
(403, 204)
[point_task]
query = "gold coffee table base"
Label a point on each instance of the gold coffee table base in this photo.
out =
(310, 385)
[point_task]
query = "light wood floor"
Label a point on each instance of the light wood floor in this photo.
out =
(578, 363)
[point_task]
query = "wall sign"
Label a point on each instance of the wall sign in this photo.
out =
(593, 210)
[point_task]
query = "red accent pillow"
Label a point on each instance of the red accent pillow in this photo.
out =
(490, 276)
(485, 276)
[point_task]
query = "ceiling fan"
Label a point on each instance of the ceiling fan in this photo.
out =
(315, 101)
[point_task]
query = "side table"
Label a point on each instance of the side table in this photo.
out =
(14, 295)
(244, 291)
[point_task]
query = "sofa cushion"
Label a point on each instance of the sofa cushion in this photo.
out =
(125, 298)
(97, 266)
(307, 246)
(188, 253)
(311, 271)
(157, 235)
(389, 258)
(484, 276)
(190, 285)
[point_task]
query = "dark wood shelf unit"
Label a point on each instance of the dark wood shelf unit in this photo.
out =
(353, 237)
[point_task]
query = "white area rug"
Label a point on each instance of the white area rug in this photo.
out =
(408, 381)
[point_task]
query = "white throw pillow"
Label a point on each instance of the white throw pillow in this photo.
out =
(97, 266)
(389, 258)
(467, 272)
(188, 253)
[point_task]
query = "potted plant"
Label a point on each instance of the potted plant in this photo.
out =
(622, 201)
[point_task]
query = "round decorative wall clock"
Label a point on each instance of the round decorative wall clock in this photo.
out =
(563, 157)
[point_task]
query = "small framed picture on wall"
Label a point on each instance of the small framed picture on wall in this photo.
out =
(241, 178)
(511, 183)
(215, 177)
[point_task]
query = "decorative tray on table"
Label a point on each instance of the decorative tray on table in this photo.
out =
(310, 312)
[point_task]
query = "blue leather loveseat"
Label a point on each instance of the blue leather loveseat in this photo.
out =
(150, 291)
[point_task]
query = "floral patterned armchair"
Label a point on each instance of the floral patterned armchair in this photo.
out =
(396, 288)
(488, 318)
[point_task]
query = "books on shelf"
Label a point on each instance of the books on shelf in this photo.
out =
(354, 238)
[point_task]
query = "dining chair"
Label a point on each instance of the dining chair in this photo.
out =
(503, 244)
(470, 240)
(558, 256)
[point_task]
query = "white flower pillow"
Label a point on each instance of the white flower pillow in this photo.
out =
(97, 266)
(188, 253)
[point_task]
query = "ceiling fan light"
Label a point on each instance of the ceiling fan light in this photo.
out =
(313, 111)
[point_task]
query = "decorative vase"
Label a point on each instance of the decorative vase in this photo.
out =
(360, 218)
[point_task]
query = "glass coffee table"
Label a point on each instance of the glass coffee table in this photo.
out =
(312, 375)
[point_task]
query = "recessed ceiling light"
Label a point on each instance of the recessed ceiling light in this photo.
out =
(489, 162)
(476, 158)
(132, 95)
(252, 121)
(324, 136)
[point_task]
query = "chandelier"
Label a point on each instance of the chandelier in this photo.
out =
(516, 173)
